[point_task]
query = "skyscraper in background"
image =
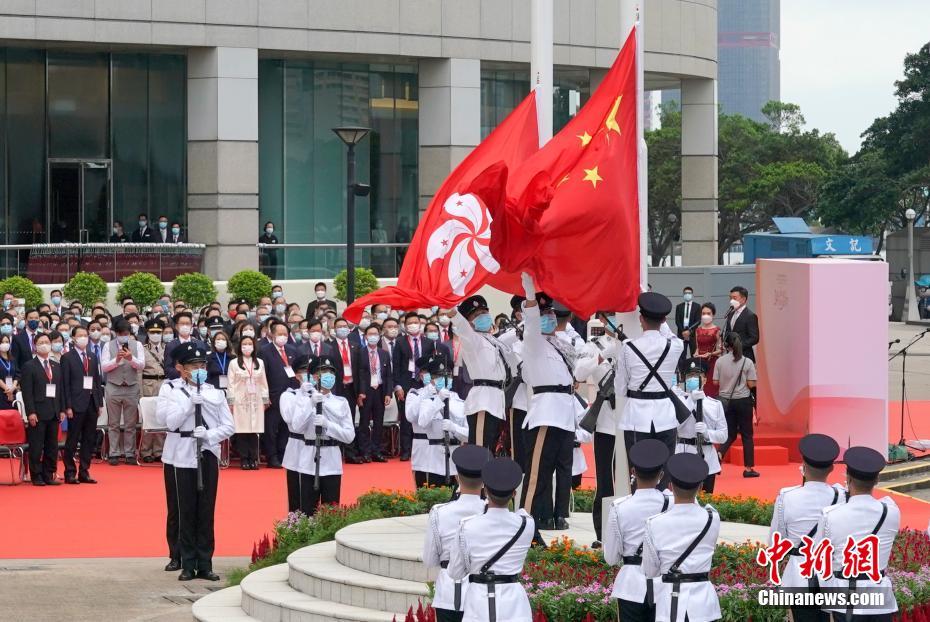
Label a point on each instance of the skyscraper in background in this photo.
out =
(748, 41)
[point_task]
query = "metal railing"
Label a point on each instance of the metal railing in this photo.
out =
(383, 258)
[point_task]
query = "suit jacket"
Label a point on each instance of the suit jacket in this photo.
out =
(278, 382)
(403, 355)
(311, 307)
(32, 382)
(683, 323)
(146, 235)
(22, 349)
(747, 327)
(181, 238)
(341, 389)
(361, 372)
(75, 395)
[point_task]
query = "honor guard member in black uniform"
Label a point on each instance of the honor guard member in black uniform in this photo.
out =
(443, 528)
(679, 546)
(296, 405)
(487, 362)
(550, 418)
(490, 550)
(626, 528)
(645, 374)
(798, 510)
(862, 515)
(177, 406)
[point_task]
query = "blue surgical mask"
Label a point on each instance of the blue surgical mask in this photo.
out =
(175, 230)
(432, 335)
(441, 383)
(483, 323)
(327, 380)
(33, 324)
(57, 347)
(692, 384)
(199, 376)
(427, 378)
(6, 329)
(688, 297)
(162, 225)
(56, 300)
(21, 324)
(6, 303)
(342, 332)
(547, 324)
(276, 295)
(203, 331)
(373, 340)
(142, 223)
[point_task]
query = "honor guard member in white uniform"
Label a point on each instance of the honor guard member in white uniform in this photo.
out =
(713, 425)
(172, 522)
(431, 416)
(443, 529)
(679, 546)
(550, 418)
(516, 397)
(798, 510)
(593, 366)
(298, 404)
(490, 550)
(419, 449)
(646, 369)
(626, 528)
(177, 405)
(582, 437)
(862, 515)
(486, 360)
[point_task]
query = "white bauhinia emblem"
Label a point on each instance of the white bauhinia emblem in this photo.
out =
(466, 236)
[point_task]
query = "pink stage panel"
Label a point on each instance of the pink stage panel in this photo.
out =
(822, 354)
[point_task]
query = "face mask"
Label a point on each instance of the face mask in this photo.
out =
(280, 308)
(95, 335)
(342, 332)
(547, 324)
(688, 297)
(692, 384)
(441, 383)
(280, 340)
(202, 330)
(142, 224)
(247, 349)
(184, 331)
(327, 380)
(66, 335)
(175, 230)
(315, 336)
(269, 230)
(372, 340)
(155, 337)
(199, 376)
(432, 336)
(413, 329)
(43, 348)
(734, 304)
(162, 225)
(392, 333)
(364, 323)
(6, 329)
(263, 317)
(56, 300)
(122, 339)
(134, 328)
(115, 230)
(220, 345)
(427, 378)
(248, 333)
(444, 320)
(4, 347)
(707, 319)
(320, 294)
(166, 337)
(276, 295)
(58, 347)
(382, 316)
(483, 323)
(105, 338)
(33, 324)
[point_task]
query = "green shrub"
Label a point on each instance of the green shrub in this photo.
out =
(739, 509)
(143, 287)
(195, 289)
(21, 287)
(584, 499)
(365, 283)
(87, 288)
(249, 285)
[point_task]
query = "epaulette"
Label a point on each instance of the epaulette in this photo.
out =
(620, 500)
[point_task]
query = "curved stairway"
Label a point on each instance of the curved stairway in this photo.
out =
(370, 573)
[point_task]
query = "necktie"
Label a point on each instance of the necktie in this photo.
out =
(373, 362)
(344, 349)
(416, 348)
(48, 370)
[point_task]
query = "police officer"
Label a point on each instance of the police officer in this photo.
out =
(862, 515)
(487, 362)
(153, 375)
(490, 550)
(438, 423)
(296, 407)
(177, 407)
(550, 418)
(443, 528)
(626, 528)
(798, 510)
(679, 545)
(712, 428)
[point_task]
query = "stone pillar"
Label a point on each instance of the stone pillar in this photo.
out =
(699, 172)
(450, 118)
(222, 157)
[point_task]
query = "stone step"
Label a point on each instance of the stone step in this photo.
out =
(904, 470)
(391, 547)
(221, 606)
(267, 597)
(315, 571)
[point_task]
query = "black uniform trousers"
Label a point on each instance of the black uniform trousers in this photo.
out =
(274, 438)
(293, 490)
(425, 478)
(247, 446)
(328, 494)
(349, 450)
(483, 429)
(604, 475)
(43, 449)
(406, 429)
(629, 611)
(173, 524)
(669, 437)
(195, 512)
(881, 617)
(810, 614)
(517, 437)
(82, 427)
(370, 433)
(448, 615)
(549, 451)
(739, 420)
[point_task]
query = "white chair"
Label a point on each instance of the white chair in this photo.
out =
(392, 425)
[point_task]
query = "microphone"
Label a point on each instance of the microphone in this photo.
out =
(891, 343)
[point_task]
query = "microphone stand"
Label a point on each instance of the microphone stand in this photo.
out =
(903, 353)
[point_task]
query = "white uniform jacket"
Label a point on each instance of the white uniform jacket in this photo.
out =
(339, 427)
(592, 366)
(429, 410)
(175, 411)
(479, 539)
(797, 511)
(716, 431)
(441, 533)
(419, 448)
(582, 436)
(485, 357)
(543, 365)
(626, 528)
(669, 535)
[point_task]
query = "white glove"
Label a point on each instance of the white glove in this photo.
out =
(319, 421)
(697, 395)
(200, 432)
(444, 394)
(306, 387)
(317, 397)
(197, 398)
(528, 287)
(429, 389)
(700, 428)
(446, 425)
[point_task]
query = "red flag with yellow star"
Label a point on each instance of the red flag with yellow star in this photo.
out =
(583, 248)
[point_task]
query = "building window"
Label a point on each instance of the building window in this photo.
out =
(502, 90)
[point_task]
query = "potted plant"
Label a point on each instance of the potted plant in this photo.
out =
(88, 288)
(195, 288)
(143, 287)
(249, 285)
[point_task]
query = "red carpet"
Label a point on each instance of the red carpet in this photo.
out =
(124, 515)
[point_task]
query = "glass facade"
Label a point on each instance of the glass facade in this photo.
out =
(89, 138)
(302, 163)
(748, 68)
(502, 90)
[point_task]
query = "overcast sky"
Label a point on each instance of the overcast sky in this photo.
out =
(840, 58)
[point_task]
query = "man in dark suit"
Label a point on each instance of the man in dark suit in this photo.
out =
(315, 345)
(345, 346)
(742, 321)
(184, 329)
(687, 316)
(41, 384)
(144, 233)
(277, 355)
(176, 237)
(410, 348)
(24, 341)
(371, 371)
(321, 299)
(83, 398)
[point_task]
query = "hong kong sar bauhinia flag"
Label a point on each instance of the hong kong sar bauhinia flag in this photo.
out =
(449, 257)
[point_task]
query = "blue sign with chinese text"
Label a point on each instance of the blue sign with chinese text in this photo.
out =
(841, 245)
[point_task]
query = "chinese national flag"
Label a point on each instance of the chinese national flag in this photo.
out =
(449, 257)
(584, 247)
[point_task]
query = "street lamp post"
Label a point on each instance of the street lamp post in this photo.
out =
(910, 297)
(672, 219)
(351, 136)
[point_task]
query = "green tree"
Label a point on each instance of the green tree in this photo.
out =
(664, 148)
(249, 285)
(21, 287)
(143, 287)
(88, 288)
(194, 288)
(365, 283)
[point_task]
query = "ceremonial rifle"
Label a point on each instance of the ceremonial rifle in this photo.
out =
(198, 422)
(318, 432)
(445, 435)
(699, 417)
